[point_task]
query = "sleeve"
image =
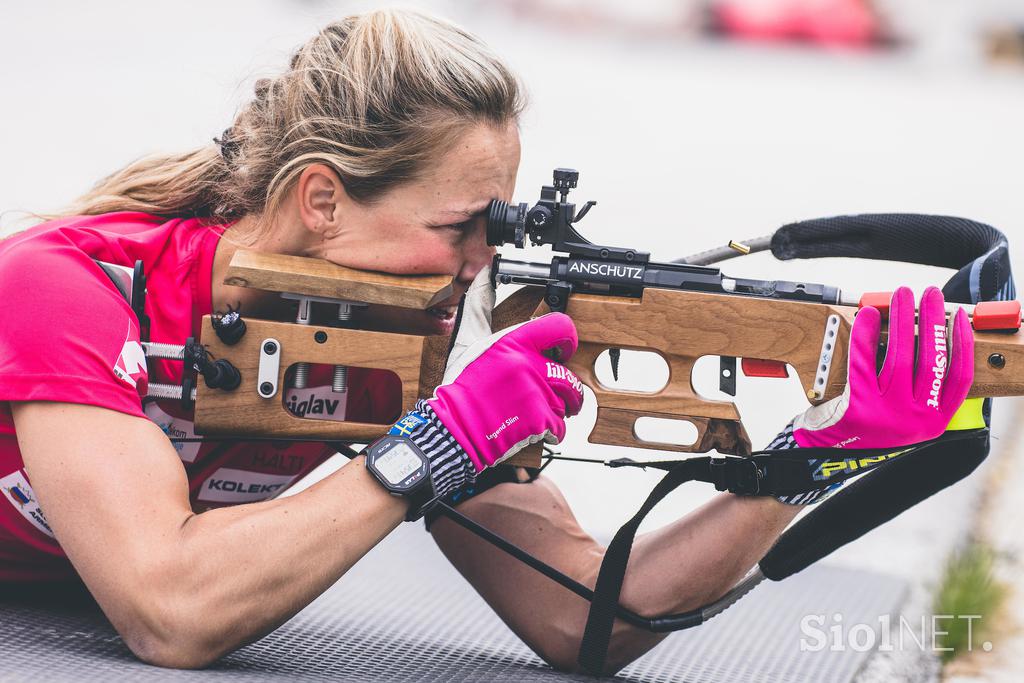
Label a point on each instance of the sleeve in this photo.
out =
(67, 333)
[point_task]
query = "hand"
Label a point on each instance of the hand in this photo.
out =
(507, 392)
(906, 402)
(500, 393)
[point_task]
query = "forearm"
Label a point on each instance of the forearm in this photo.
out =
(697, 558)
(693, 562)
(239, 572)
(679, 567)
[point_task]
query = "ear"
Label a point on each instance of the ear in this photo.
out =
(320, 196)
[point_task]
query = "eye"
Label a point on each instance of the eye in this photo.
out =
(464, 226)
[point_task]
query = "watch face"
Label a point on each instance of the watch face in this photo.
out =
(398, 463)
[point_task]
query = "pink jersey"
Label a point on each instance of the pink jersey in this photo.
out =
(69, 335)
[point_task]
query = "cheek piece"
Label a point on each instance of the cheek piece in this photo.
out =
(907, 401)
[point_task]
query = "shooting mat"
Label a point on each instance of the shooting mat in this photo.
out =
(404, 614)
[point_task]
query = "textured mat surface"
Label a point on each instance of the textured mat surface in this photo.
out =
(372, 626)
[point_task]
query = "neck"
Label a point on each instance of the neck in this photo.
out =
(253, 302)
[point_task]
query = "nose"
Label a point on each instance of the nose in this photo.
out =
(475, 255)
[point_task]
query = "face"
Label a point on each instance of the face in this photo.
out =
(434, 225)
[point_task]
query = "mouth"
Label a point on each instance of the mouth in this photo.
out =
(443, 312)
(443, 318)
(437, 320)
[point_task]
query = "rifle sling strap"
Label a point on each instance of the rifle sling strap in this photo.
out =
(765, 473)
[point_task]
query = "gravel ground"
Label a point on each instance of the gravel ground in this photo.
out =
(685, 145)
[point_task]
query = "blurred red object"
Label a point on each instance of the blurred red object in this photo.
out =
(825, 22)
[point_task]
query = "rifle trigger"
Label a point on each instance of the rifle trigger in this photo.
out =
(613, 356)
(727, 374)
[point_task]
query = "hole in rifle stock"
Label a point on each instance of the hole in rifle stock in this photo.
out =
(643, 371)
(665, 431)
(368, 395)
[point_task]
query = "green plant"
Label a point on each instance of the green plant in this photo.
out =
(968, 587)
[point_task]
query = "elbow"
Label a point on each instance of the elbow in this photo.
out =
(167, 625)
(159, 652)
(168, 641)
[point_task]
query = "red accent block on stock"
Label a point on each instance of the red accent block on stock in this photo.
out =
(997, 315)
(879, 300)
(759, 367)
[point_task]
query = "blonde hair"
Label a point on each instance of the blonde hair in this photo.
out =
(375, 96)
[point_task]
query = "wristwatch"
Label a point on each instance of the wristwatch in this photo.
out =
(402, 468)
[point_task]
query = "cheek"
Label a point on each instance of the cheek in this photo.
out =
(426, 255)
(396, 252)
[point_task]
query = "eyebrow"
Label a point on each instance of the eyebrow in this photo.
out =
(466, 213)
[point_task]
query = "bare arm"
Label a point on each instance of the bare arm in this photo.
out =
(681, 566)
(183, 589)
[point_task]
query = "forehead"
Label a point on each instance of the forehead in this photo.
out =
(481, 165)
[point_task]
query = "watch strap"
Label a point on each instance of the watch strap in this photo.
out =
(450, 467)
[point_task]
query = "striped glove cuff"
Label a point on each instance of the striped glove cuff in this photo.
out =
(784, 440)
(450, 467)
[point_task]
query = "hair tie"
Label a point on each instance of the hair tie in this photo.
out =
(229, 146)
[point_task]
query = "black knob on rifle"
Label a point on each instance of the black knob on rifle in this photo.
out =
(221, 374)
(566, 178)
(230, 328)
(218, 374)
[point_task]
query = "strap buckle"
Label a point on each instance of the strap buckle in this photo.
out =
(741, 476)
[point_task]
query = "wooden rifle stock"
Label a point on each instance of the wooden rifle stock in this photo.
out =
(680, 326)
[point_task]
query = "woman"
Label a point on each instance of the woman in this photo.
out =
(379, 148)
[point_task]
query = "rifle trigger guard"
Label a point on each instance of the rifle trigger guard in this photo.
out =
(741, 476)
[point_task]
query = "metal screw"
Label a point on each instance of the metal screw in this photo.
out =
(339, 383)
(270, 348)
(997, 360)
(604, 253)
(320, 336)
(303, 318)
(812, 394)
(266, 389)
(553, 300)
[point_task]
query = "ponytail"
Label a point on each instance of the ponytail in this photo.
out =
(377, 97)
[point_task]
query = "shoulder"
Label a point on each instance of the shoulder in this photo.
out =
(45, 268)
(68, 333)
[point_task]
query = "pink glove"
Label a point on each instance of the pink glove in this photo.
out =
(905, 403)
(506, 391)
(500, 392)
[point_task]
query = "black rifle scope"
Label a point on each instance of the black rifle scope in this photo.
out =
(549, 221)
